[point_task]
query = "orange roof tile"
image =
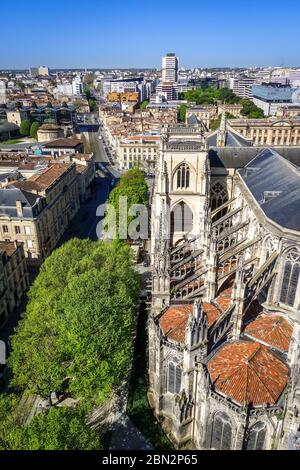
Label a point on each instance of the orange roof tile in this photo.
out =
(248, 373)
(272, 329)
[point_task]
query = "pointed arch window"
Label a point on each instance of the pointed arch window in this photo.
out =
(218, 196)
(181, 218)
(183, 176)
(256, 437)
(221, 432)
(174, 378)
(290, 280)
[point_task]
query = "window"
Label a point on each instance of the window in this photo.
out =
(17, 229)
(256, 437)
(181, 218)
(221, 432)
(5, 228)
(27, 230)
(218, 196)
(174, 378)
(183, 176)
(290, 278)
(29, 243)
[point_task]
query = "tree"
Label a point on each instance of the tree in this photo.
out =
(57, 429)
(34, 129)
(80, 317)
(21, 85)
(133, 186)
(182, 113)
(92, 104)
(25, 127)
(144, 104)
(215, 123)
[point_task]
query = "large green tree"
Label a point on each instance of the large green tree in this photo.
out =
(77, 333)
(182, 113)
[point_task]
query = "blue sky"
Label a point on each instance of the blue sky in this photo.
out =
(132, 33)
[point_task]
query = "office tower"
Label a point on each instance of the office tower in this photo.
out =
(170, 68)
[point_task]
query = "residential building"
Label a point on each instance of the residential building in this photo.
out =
(77, 86)
(14, 280)
(40, 71)
(2, 92)
(37, 211)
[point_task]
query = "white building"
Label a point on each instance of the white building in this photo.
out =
(170, 68)
(2, 92)
(242, 86)
(77, 87)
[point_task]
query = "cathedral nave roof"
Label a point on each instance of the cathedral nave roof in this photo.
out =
(273, 330)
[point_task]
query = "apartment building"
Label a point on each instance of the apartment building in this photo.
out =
(14, 280)
(141, 151)
(242, 86)
(266, 132)
(170, 68)
(37, 211)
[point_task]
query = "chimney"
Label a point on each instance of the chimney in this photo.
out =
(19, 206)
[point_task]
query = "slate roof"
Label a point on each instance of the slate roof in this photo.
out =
(273, 330)
(233, 139)
(275, 184)
(248, 373)
(8, 197)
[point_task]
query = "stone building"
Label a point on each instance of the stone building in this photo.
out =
(224, 326)
(37, 211)
(13, 278)
(268, 132)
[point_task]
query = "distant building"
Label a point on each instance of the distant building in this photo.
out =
(170, 68)
(41, 71)
(123, 97)
(139, 150)
(269, 96)
(13, 277)
(49, 132)
(2, 92)
(77, 87)
(268, 132)
(242, 86)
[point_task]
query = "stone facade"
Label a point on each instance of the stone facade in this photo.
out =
(224, 325)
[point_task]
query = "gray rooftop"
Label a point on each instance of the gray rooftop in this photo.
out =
(275, 184)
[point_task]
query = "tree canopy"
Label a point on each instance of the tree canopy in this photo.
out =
(144, 104)
(34, 129)
(210, 96)
(182, 113)
(25, 127)
(76, 337)
(133, 186)
(56, 429)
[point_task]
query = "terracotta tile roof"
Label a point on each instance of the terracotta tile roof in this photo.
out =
(63, 143)
(45, 179)
(248, 373)
(271, 329)
(224, 299)
(174, 320)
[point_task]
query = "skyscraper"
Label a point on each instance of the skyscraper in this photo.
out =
(170, 68)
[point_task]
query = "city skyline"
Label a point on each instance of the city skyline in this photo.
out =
(137, 37)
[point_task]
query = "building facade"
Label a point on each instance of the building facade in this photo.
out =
(37, 211)
(170, 68)
(266, 132)
(224, 326)
(14, 280)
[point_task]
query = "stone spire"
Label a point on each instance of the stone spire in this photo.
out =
(222, 131)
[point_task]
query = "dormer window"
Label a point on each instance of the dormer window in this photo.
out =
(183, 176)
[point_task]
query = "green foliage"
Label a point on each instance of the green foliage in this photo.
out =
(215, 123)
(144, 104)
(133, 186)
(76, 337)
(21, 85)
(182, 113)
(138, 406)
(89, 79)
(25, 127)
(92, 104)
(34, 129)
(210, 96)
(58, 429)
